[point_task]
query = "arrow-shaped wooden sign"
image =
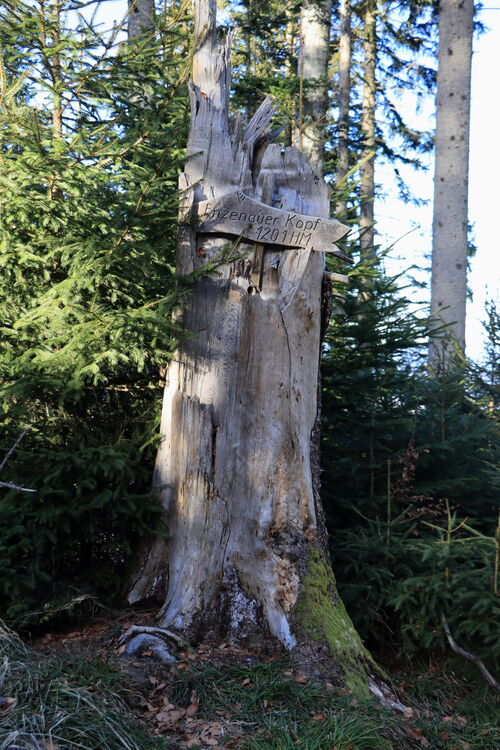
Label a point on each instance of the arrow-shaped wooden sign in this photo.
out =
(239, 215)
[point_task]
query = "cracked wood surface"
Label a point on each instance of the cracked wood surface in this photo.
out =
(234, 465)
(238, 215)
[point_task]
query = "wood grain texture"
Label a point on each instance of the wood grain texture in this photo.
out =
(234, 466)
(238, 215)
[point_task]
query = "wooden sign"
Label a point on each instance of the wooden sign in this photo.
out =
(239, 215)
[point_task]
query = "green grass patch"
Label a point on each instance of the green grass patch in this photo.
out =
(281, 711)
(455, 713)
(69, 702)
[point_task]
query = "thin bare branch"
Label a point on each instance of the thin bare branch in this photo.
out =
(467, 655)
(11, 486)
(13, 448)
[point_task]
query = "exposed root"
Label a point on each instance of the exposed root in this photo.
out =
(386, 697)
(151, 630)
(140, 638)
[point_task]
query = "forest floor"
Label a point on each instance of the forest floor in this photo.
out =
(73, 688)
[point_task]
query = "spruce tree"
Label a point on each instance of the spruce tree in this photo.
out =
(407, 456)
(88, 227)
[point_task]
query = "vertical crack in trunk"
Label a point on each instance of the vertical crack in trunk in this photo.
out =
(213, 454)
(245, 553)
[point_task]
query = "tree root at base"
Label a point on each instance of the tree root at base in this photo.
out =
(138, 639)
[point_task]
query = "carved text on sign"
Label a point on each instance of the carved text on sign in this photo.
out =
(239, 215)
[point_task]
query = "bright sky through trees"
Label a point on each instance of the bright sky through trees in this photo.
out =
(484, 170)
(397, 219)
(409, 227)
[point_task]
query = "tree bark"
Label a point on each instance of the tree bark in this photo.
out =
(54, 68)
(344, 100)
(367, 170)
(141, 17)
(314, 57)
(246, 554)
(291, 70)
(450, 219)
(56, 73)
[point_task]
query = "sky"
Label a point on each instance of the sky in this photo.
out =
(408, 227)
(484, 192)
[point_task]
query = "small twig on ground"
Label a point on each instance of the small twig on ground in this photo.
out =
(467, 655)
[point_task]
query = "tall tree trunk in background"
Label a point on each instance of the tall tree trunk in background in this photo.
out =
(313, 70)
(344, 99)
(246, 553)
(450, 220)
(367, 170)
(141, 25)
(141, 17)
(55, 69)
(291, 69)
(249, 51)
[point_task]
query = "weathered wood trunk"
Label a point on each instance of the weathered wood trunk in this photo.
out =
(450, 220)
(314, 56)
(344, 93)
(141, 17)
(246, 550)
(367, 169)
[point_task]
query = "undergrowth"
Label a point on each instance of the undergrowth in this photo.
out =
(282, 711)
(455, 713)
(62, 701)
(59, 701)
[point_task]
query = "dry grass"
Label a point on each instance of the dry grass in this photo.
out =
(61, 702)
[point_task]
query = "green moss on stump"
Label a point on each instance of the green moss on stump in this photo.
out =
(320, 614)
